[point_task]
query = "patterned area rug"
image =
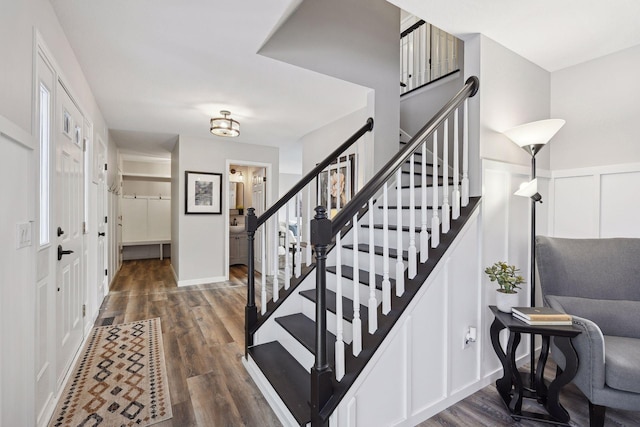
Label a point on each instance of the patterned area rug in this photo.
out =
(119, 380)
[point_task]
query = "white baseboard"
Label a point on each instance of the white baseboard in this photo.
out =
(200, 281)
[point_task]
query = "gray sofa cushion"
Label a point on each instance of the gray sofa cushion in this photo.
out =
(619, 318)
(621, 363)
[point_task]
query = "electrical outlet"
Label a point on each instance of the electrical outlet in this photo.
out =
(23, 235)
(470, 336)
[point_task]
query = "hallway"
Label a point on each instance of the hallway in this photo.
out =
(203, 336)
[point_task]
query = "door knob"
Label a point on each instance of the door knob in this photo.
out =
(101, 233)
(60, 231)
(61, 252)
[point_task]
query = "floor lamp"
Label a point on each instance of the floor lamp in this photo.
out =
(531, 137)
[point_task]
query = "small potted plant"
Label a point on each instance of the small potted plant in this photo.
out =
(508, 281)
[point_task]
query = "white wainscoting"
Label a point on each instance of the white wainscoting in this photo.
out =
(596, 202)
(422, 366)
(506, 237)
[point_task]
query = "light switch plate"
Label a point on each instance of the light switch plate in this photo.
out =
(23, 235)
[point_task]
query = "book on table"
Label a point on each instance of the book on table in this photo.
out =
(541, 316)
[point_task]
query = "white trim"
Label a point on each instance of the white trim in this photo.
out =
(201, 281)
(596, 170)
(225, 194)
(15, 133)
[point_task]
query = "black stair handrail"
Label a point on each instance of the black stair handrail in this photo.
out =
(368, 126)
(252, 223)
(389, 169)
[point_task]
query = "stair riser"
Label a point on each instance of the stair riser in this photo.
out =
(378, 216)
(363, 259)
(417, 179)
(406, 195)
(296, 349)
(378, 237)
(347, 289)
(309, 310)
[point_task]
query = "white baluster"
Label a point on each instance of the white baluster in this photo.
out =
(356, 323)
(435, 221)
(446, 222)
(373, 303)
(465, 154)
(455, 206)
(413, 258)
(287, 267)
(386, 284)
(339, 348)
(308, 227)
(298, 259)
(424, 234)
(276, 257)
(399, 261)
(263, 268)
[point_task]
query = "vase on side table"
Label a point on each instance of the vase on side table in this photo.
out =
(505, 301)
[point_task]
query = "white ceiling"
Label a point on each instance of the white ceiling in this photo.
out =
(159, 68)
(553, 34)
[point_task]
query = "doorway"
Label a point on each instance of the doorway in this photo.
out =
(68, 232)
(247, 187)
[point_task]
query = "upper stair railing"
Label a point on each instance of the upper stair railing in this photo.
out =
(436, 200)
(427, 53)
(335, 177)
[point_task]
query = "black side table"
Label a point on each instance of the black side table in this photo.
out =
(511, 387)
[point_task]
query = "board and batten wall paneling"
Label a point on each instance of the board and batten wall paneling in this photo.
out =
(506, 237)
(597, 202)
(422, 366)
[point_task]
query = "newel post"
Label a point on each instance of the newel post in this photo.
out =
(321, 373)
(250, 311)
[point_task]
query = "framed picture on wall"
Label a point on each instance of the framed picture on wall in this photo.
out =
(203, 193)
(337, 181)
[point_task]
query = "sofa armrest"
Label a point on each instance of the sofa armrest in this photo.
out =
(620, 318)
(589, 346)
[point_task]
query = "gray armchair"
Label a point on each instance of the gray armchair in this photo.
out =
(598, 282)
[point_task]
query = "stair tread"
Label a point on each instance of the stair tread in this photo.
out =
(347, 304)
(363, 247)
(304, 330)
(363, 277)
(291, 380)
(394, 227)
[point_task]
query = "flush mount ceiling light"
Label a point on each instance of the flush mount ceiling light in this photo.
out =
(225, 126)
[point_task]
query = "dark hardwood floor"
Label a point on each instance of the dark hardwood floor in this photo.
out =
(203, 337)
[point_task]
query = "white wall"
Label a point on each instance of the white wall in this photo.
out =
(417, 107)
(513, 91)
(598, 99)
(356, 41)
(22, 25)
(316, 145)
(200, 240)
(596, 202)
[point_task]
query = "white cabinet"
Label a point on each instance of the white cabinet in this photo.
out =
(238, 248)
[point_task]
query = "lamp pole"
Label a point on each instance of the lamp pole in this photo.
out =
(531, 137)
(532, 275)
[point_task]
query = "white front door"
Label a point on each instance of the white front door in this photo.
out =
(68, 241)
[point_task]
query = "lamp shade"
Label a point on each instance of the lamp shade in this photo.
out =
(225, 126)
(532, 136)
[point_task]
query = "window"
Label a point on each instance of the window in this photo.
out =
(45, 152)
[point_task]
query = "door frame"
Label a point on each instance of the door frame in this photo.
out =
(269, 199)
